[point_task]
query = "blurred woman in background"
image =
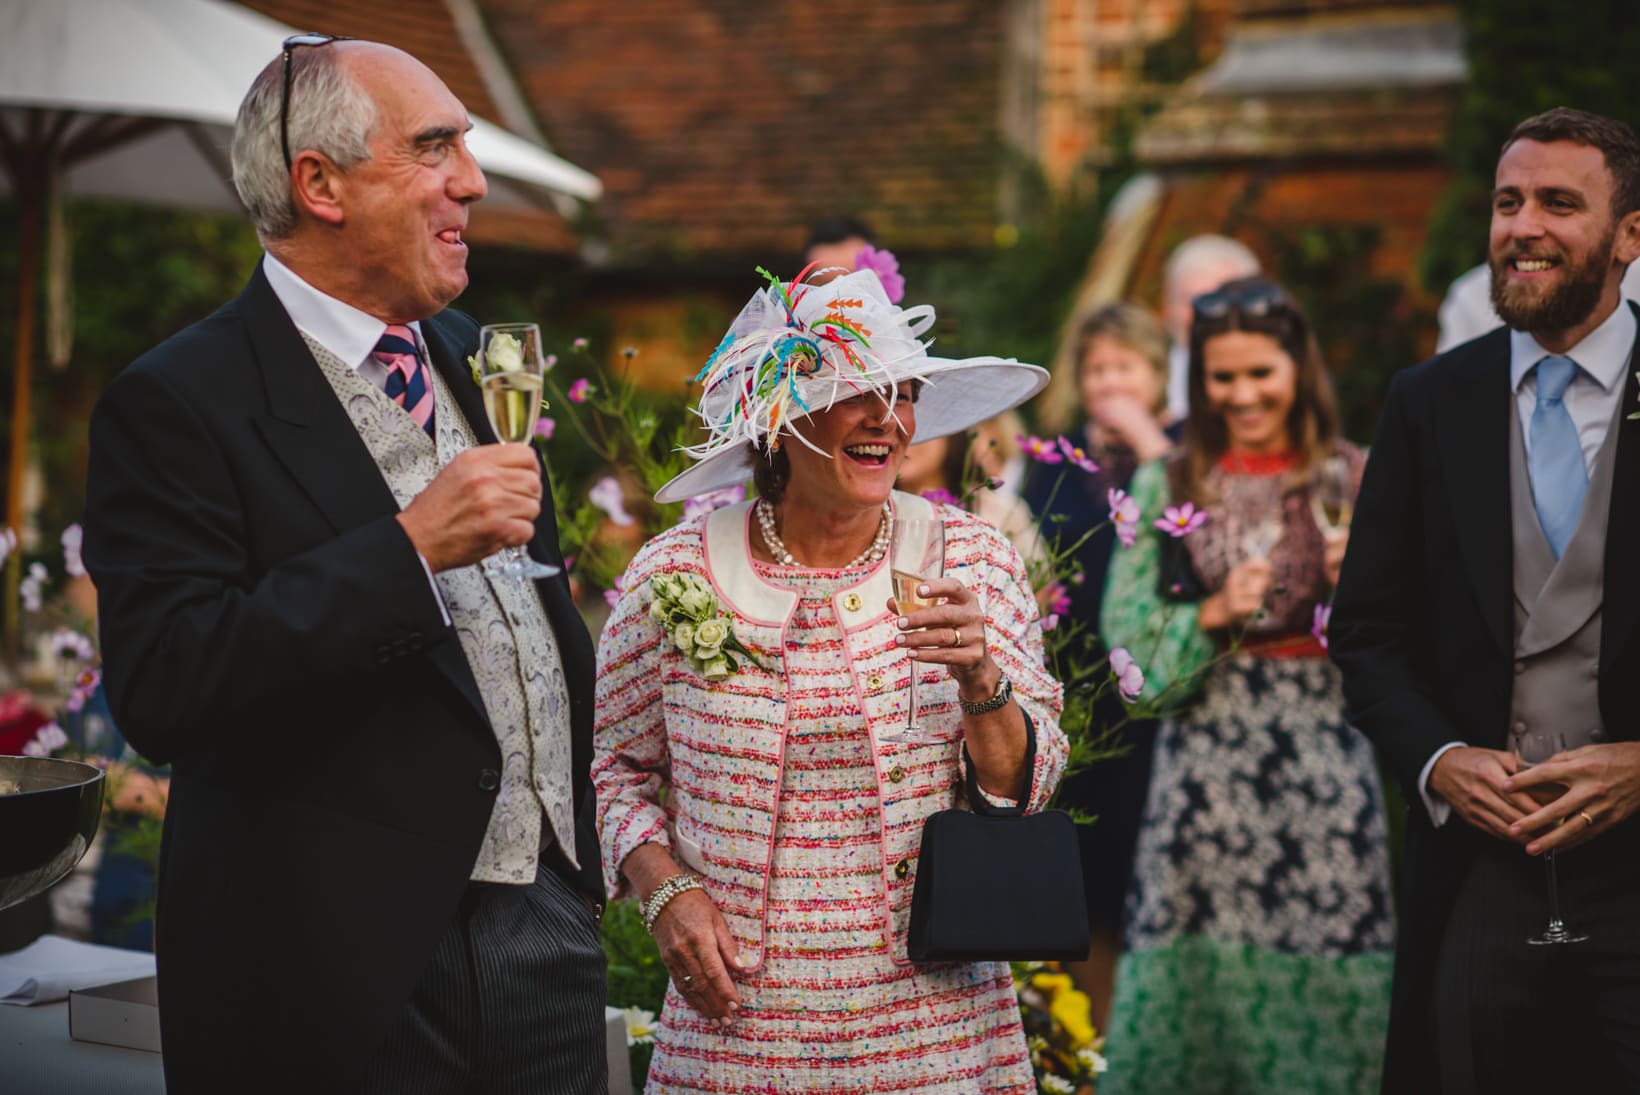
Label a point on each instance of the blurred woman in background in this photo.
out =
(1259, 928)
(1119, 353)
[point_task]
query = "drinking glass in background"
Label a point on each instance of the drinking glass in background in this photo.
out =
(1332, 497)
(511, 376)
(916, 554)
(1535, 747)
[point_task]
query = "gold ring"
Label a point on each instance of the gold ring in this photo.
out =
(687, 978)
(956, 636)
(1584, 814)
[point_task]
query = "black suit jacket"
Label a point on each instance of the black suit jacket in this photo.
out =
(268, 629)
(1423, 626)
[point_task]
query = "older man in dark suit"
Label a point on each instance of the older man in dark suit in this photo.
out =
(1490, 596)
(379, 871)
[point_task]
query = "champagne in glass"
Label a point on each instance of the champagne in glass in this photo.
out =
(916, 554)
(1332, 496)
(1535, 747)
(511, 370)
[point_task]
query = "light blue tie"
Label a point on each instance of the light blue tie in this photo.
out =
(1559, 476)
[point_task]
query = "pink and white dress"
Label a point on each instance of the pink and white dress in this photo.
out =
(804, 822)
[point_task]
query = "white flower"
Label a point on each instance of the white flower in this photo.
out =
(710, 637)
(30, 589)
(47, 740)
(505, 353)
(73, 537)
(1056, 1085)
(1093, 1062)
(640, 1026)
(8, 543)
(683, 637)
(716, 669)
(697, 602)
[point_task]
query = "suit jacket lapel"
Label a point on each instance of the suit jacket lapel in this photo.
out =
(1472, 426)
(1622, 603)
(311, 435)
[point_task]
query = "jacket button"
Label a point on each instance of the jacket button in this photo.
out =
(489, 779)
(851, 601)
(875, 682)
(902, 868)
(896, 774)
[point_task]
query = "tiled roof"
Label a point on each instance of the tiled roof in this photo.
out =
(725, 127)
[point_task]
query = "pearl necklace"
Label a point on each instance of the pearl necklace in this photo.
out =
(777, 546)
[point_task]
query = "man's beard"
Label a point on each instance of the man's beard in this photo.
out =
(1559, 308)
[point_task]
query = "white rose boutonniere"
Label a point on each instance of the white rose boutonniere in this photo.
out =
(504, 354)
(686, 608)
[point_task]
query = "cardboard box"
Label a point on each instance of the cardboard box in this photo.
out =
(122, 1014)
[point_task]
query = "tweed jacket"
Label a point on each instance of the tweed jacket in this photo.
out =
(695, 765)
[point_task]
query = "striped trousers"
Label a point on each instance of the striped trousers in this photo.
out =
(512, 1002)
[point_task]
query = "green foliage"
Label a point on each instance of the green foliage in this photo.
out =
(637, 978)
(139, 275)
(1523, 59)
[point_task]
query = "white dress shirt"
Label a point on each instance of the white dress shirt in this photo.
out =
(1591, 399)
(349, 334)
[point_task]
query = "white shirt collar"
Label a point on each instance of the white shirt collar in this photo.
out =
(1603, 353)
(336, 325)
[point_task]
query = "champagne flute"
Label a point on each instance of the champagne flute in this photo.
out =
(511, 372)
(1535, 747)
(916, 554)
(1332, 496)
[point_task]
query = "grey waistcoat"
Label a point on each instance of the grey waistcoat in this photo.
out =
(1558, 604)
(504, 632)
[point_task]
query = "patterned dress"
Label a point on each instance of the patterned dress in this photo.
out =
(779, 787)
(1260, 923)
(829, 1011)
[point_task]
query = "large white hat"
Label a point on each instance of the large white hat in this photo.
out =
(798, 348)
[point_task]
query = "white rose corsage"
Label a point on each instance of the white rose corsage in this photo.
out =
(686, 607)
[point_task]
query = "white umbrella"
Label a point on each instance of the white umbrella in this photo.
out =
(135, 100)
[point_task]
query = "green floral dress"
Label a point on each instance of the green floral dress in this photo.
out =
(1259, 925)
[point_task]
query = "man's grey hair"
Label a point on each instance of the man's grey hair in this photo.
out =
(1233, 257)
(329, 113)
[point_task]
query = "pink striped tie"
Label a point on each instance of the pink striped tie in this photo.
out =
(406, 382)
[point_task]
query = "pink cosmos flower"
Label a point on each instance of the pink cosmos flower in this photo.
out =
(606, 495)
(1323, 616)
(8, 543)
(544, 428)
(939, 495)
(1077, 456)
(702, 504)
(886, 267)
(1124, 514)
(579, 390)
(1049, 622)
(579, 344)
(47, 740)
(552, 359)
(613, 595)
(1043, 452)
(1130, 679)
(1181, 521)
(1059, 601)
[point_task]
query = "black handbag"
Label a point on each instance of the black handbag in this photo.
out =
(996, 884)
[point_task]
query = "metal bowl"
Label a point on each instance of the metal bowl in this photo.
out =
(49, 811)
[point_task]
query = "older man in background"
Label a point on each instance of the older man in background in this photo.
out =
(1199, 265)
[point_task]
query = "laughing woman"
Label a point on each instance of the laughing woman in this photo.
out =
(1259, 924)
(749, 790)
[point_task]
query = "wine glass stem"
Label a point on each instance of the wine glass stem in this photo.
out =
(911, 718)
(1555, 924)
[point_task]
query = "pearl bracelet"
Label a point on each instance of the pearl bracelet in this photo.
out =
(662, 895)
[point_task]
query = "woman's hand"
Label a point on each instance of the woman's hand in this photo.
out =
(1242, 596)
(698, 951)
(1333, 560)
(1133, 424)
(950, 634)
(693, 937)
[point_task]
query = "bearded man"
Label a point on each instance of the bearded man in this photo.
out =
(1489, 598)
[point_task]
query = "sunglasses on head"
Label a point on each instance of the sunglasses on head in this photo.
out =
(291, 44)
(1256, 299)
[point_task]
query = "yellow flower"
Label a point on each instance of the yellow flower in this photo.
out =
(1071, 1010)
(1051, 983)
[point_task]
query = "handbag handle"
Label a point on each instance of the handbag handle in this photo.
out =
(983, 806)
